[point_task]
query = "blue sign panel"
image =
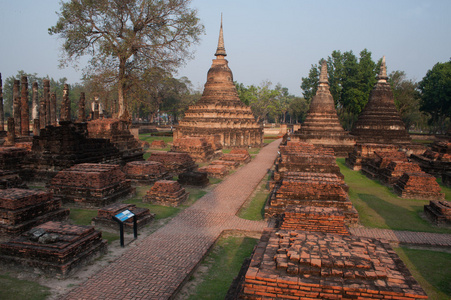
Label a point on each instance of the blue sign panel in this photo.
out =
(125, 215)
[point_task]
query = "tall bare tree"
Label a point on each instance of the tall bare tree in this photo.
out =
(127, 36)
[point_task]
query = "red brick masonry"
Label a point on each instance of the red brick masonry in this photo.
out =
(306, 265)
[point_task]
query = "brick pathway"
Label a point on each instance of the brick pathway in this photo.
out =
(405, 237)
(157, 265)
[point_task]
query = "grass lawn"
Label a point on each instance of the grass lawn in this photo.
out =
(147, 137)
(432, 269)
(379, 207)
(254, 209)
(224, 261)
(17, 289)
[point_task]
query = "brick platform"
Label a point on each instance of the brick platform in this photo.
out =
(12, 159)
(307, 265)
(439, 212)
(373, 167)
(237, 155)
(216, 171)
(91, 185)
(418, 185)
(174, 162)
(145, 172)
(197, 147)
(10, 179)
(231, 165)
(159, 144)
(21, 209)
(105, 216)
(54, 248)
(310, 193)
(167, 193)
(315, 219)
(395, 169)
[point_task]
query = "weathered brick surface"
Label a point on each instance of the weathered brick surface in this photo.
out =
(315, 219)
(91, 185)
(436, 160)
(21, 209)
(54, 248)
(58, 148)
(373, 167)
(380, 121)
(418, 185)
(364, 152)
(145, 172)
(193, 178)
(310, 193)
(197, 147)
(396, 169)
(216, 171)
(237, 155)
(322, 126)
(105, 216)
(231, 165)
(10, 179)
(12, 158)
(118, 133)
(307, 265)
(439, 212)
(174, 162)
(220, 112)
(167, 193)
(160, 144)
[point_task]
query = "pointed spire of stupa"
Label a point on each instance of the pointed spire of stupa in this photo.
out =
(220, 51)
(323, 81)
(382, 77)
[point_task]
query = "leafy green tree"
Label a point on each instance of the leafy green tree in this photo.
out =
(297, 109)
(435, 90)
(407, 98)
(351, 80)
(127, 37)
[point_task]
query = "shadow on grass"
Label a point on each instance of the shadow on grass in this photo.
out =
(394, 216)
(432, 269)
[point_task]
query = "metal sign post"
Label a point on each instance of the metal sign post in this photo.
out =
(121, 218)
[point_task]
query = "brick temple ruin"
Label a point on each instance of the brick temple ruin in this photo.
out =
(379, 126)
(21, 209)
(219, 112)
(307, 175)
(91, 185)
(322, 126)
(118, 133)
(145, 172)
(174, 162)
(166, 193)
(54, 248)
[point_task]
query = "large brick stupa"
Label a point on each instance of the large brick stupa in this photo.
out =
(322, 126)
(219, 112)
(380, 121)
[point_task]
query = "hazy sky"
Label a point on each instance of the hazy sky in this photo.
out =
(265, 40)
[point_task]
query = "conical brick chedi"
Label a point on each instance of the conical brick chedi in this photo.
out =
(380, 122)
(219, 112)
(322, 126)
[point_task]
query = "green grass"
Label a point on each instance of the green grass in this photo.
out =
(432, 269)
(81, 216)
(17, 289)
(109, 236)
(148, 138)
(255, 209)
(225, 261)
(214, 180)
(379, 207)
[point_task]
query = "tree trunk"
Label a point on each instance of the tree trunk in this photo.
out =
(122, 111)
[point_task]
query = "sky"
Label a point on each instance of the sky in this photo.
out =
(265, 40)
